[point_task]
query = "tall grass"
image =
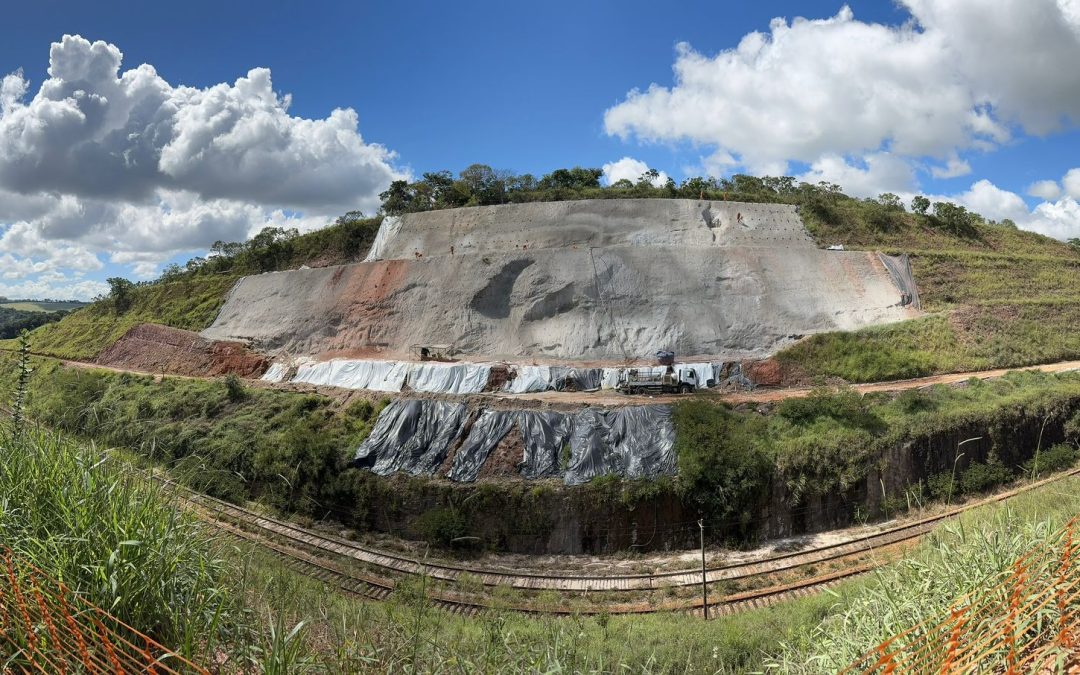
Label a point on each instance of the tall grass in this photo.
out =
(957, 558)
(340, 634)
(113, 538)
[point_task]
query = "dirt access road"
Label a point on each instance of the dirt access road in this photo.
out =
(611, 398)
(762, 395)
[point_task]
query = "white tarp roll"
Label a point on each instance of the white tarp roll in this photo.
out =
(275, 373)
(610, 378)
(449, 378)
(529, 379)
(352, 374)
(704, 372)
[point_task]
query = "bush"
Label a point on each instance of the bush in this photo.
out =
(981, 476)
(441, 525)
(234, 388)
(1054, 458)
(724, 462)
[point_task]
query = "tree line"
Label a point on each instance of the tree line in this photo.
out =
(350, 235)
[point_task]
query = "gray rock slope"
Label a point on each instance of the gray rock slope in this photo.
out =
(602, 280)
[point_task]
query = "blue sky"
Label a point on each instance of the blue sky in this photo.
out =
(104, 173)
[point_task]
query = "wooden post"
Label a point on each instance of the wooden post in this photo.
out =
(704, 585)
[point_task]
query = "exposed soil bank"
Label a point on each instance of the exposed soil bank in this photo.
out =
(153, 348)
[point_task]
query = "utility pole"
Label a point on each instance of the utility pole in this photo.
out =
(704, 586)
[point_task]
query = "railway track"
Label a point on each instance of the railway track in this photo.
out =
(309, 553)
(399, 564)
(366, 588)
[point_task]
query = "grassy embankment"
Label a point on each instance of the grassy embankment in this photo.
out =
(190, 303)
(996, 297)
(120, 541)
(291, 451)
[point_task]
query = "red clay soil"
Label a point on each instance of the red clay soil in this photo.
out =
(505, 458)
(767, 373)
(153, 348)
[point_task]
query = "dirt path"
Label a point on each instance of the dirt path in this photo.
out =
(769, 395)
(763, 395)
(612, 398)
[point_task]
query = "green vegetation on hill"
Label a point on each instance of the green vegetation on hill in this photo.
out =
(346, 240)
(191, 302)
(14, 321)
(291, 451)
(831, 445)
(190, 297)
(987, 310)
(288, 450)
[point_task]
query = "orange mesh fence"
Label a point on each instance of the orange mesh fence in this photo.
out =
(1023, 622)
(46, 628)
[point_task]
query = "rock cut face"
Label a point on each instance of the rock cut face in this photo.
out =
(599, 281)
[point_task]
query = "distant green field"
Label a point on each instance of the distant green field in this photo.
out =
(41, 305)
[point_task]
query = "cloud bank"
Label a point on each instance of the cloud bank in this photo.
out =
(123, 164)
(872, 106)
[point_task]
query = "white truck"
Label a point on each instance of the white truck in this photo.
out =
(658, 380)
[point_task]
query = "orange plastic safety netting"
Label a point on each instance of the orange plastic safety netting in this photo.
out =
(46, 628)
(1027, 621)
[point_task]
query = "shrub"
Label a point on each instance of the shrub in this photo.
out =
(1054, 458)
(234, 388)
(981, 476)
(441, 525)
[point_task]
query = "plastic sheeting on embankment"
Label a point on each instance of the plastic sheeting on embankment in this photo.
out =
(391, 376)
(899, 267)
(416, 437)
(471, 378)
(556, 378)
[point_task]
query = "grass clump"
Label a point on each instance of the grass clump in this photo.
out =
(974, 552)
(113, 538)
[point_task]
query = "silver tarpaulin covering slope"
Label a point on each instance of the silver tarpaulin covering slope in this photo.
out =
(899, 267)
(416, 437)
(411, 436)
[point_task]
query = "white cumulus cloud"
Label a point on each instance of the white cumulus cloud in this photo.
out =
(1071, 183)
(101, 160)
(632, 170)
(876, 173)
(1045, 189)
(955, 77)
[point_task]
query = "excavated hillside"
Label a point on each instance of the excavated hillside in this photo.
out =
(608, 281)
